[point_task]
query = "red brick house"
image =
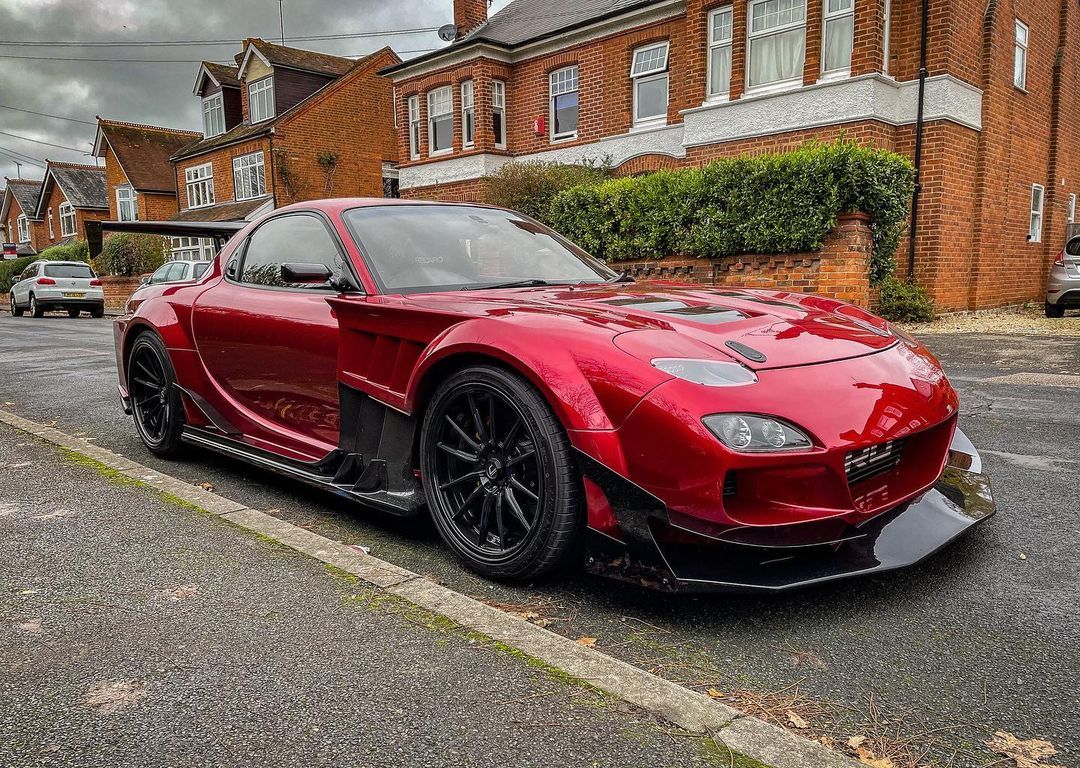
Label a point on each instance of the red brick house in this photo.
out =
(648, 84)
(140, 182)
(287, 125)
(71, 195)
(18, 214)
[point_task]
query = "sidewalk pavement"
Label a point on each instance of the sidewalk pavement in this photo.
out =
(135, 631)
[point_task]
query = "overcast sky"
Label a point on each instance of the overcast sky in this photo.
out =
(159, 93)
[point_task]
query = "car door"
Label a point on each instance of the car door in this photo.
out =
(272, 345)
(21, 289)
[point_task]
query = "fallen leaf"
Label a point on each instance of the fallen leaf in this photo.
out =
(110, 697)
(1023, 556)
(588, 642)
(361, 549)
(827, 741)
(527, 615)
(206, 486)
(1026, 753)
(866, 757)
(797, 720)
(714, 694)
(542, 622)
(806, 659)
(856, 741)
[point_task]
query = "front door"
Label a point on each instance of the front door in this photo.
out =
(271, 346)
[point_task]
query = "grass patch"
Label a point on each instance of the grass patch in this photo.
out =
(720, 754)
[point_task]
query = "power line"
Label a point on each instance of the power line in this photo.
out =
(22, 158)
(168, 61)
(46, 143)
(214, 41)
(45, 114)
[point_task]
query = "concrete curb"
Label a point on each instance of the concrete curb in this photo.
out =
(687, 709)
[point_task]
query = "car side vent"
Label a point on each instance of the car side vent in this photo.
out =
(872, 461)
(730, 487)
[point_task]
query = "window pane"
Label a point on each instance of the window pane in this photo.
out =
(651, 59)
(720, 70)
(298, 239)
(721, 26)
(777, 57)
(442, 133)
(566, 113)
(652, 98)
(838, 38)
(497, 125)
(835, 6)
(776, 13)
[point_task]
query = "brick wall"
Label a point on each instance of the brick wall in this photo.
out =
(38, 232)
(82, 215)
(152, 206)
(118, 290)
(221, 161)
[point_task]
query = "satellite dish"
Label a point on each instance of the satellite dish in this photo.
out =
(448, 33)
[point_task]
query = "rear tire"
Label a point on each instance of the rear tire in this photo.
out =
(16, 310)
(36, 309)
(73, 313)
(1054, 310)
(155, 399)
(499, 476)
(98, 311)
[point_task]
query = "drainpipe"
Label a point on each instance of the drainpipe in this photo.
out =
(918, 140)
(273, 172)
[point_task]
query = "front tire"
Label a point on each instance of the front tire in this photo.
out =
(16, 310)
(499, 476)
(1054, 310)
(155, 399)
(36, 309)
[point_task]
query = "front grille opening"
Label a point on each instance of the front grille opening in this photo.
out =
(730, 487)
(872, 461)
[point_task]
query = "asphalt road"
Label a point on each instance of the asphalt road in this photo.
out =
(135, 632)
(984, 636)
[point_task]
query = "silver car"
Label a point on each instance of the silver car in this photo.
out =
(177, 272)
(1063, 287)
(65, 285)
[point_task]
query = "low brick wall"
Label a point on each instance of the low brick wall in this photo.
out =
(118, 290)
(840, 270)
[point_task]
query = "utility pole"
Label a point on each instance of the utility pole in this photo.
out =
(281, 18)
(18, 168)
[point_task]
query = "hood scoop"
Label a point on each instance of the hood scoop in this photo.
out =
(707, 314)
(749, 353)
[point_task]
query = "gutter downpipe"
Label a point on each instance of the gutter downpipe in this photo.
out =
(918, 140)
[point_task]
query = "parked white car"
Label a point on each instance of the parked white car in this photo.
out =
(50, 285)
(177, 272)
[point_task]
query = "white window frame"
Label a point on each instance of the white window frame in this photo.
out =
(719, 45)
(244, 167)
(191, 249)
(261, 92)
(751, 36)
(659, 71)
(213, 111)
(200, 177)
(52, 232)
(23, 225)
(126, 195)
(1020, 55)
(826, 17)
(69, 224)
(434, 96)
(1035, 221)
(414, 126)
(498, 104)
(468, 114)
(1072, 208)
(558, 86)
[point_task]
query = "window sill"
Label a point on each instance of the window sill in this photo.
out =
(1022, 88)
(441, 152)
(564, 138)
(246, 199)
(467, 147)
(832, 77)
(648, 125)
(773, 88)
(717, 98)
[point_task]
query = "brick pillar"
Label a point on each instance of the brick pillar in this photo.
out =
(815, 12)
(739, 46)
(868, 50)
(844, 272)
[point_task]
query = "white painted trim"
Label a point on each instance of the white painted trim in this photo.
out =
(247, 57)
(199, 76)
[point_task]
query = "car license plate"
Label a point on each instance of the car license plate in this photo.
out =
(73, 295)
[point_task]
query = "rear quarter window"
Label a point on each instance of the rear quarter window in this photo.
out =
(1073, 247)
(68, 270)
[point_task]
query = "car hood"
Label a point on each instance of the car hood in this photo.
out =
(761, 329)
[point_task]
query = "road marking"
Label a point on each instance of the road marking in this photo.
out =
(1038, 463)
(1066, 380)
(687, 709)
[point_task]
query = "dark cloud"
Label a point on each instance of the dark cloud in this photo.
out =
(160, 93)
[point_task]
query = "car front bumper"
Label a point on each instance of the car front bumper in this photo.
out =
(667, 551)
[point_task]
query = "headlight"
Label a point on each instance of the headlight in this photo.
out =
(756, 434)
(711, 373)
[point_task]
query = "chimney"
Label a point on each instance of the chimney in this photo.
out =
(468, 15)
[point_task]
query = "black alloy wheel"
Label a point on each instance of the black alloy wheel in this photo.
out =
(499, 476)
(155, 400)
(16, 310)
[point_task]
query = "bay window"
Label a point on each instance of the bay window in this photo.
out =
(440, 105)
(249, 176)
(498, 112)
(414, 127)
(468, 115)
(68, 225)
(261, 99)
(777, 42)
(648, 72)
(200, 186)
(563, 89)
(213, 115)
(720, 24)
(839, 36)
(126, 209)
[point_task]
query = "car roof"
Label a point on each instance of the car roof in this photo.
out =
(65, 263)
(340, 204)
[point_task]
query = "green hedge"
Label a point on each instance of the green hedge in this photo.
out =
(904, 302)
(131, 255)
(772, 203)
(10, 269)
(77, 250)
(528, 187)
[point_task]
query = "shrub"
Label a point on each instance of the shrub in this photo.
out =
(904, 302)
(11, 269)
(77, 250)
(529, 187)
(128, 255)
(773, 203)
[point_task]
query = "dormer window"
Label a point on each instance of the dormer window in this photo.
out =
(213, 115)
(261, 99)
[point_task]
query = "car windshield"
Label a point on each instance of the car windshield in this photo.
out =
(68, 270)
(431, 247)
(200, 270)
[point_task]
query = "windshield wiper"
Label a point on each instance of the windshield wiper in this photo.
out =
(622, 277)
(511, 284)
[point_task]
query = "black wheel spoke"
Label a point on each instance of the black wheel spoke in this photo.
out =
(464, 506)
(511, 434)
(515, 460)
(515, 508)
(481, 433)
(500, 524)
(485, 519)
(464, 435)
(459, 480)
(521, 487)
(463, 455)
(147, 384)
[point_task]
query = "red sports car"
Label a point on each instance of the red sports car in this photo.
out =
(469, 361)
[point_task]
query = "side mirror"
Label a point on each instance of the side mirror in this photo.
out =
(292, 272)
(145, 281)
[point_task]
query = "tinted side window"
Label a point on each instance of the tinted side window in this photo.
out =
(298, 238)
(159, 273)
(176, 272)
(200, 270)
(1073, 248)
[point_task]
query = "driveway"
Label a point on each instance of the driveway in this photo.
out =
(928, 662)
